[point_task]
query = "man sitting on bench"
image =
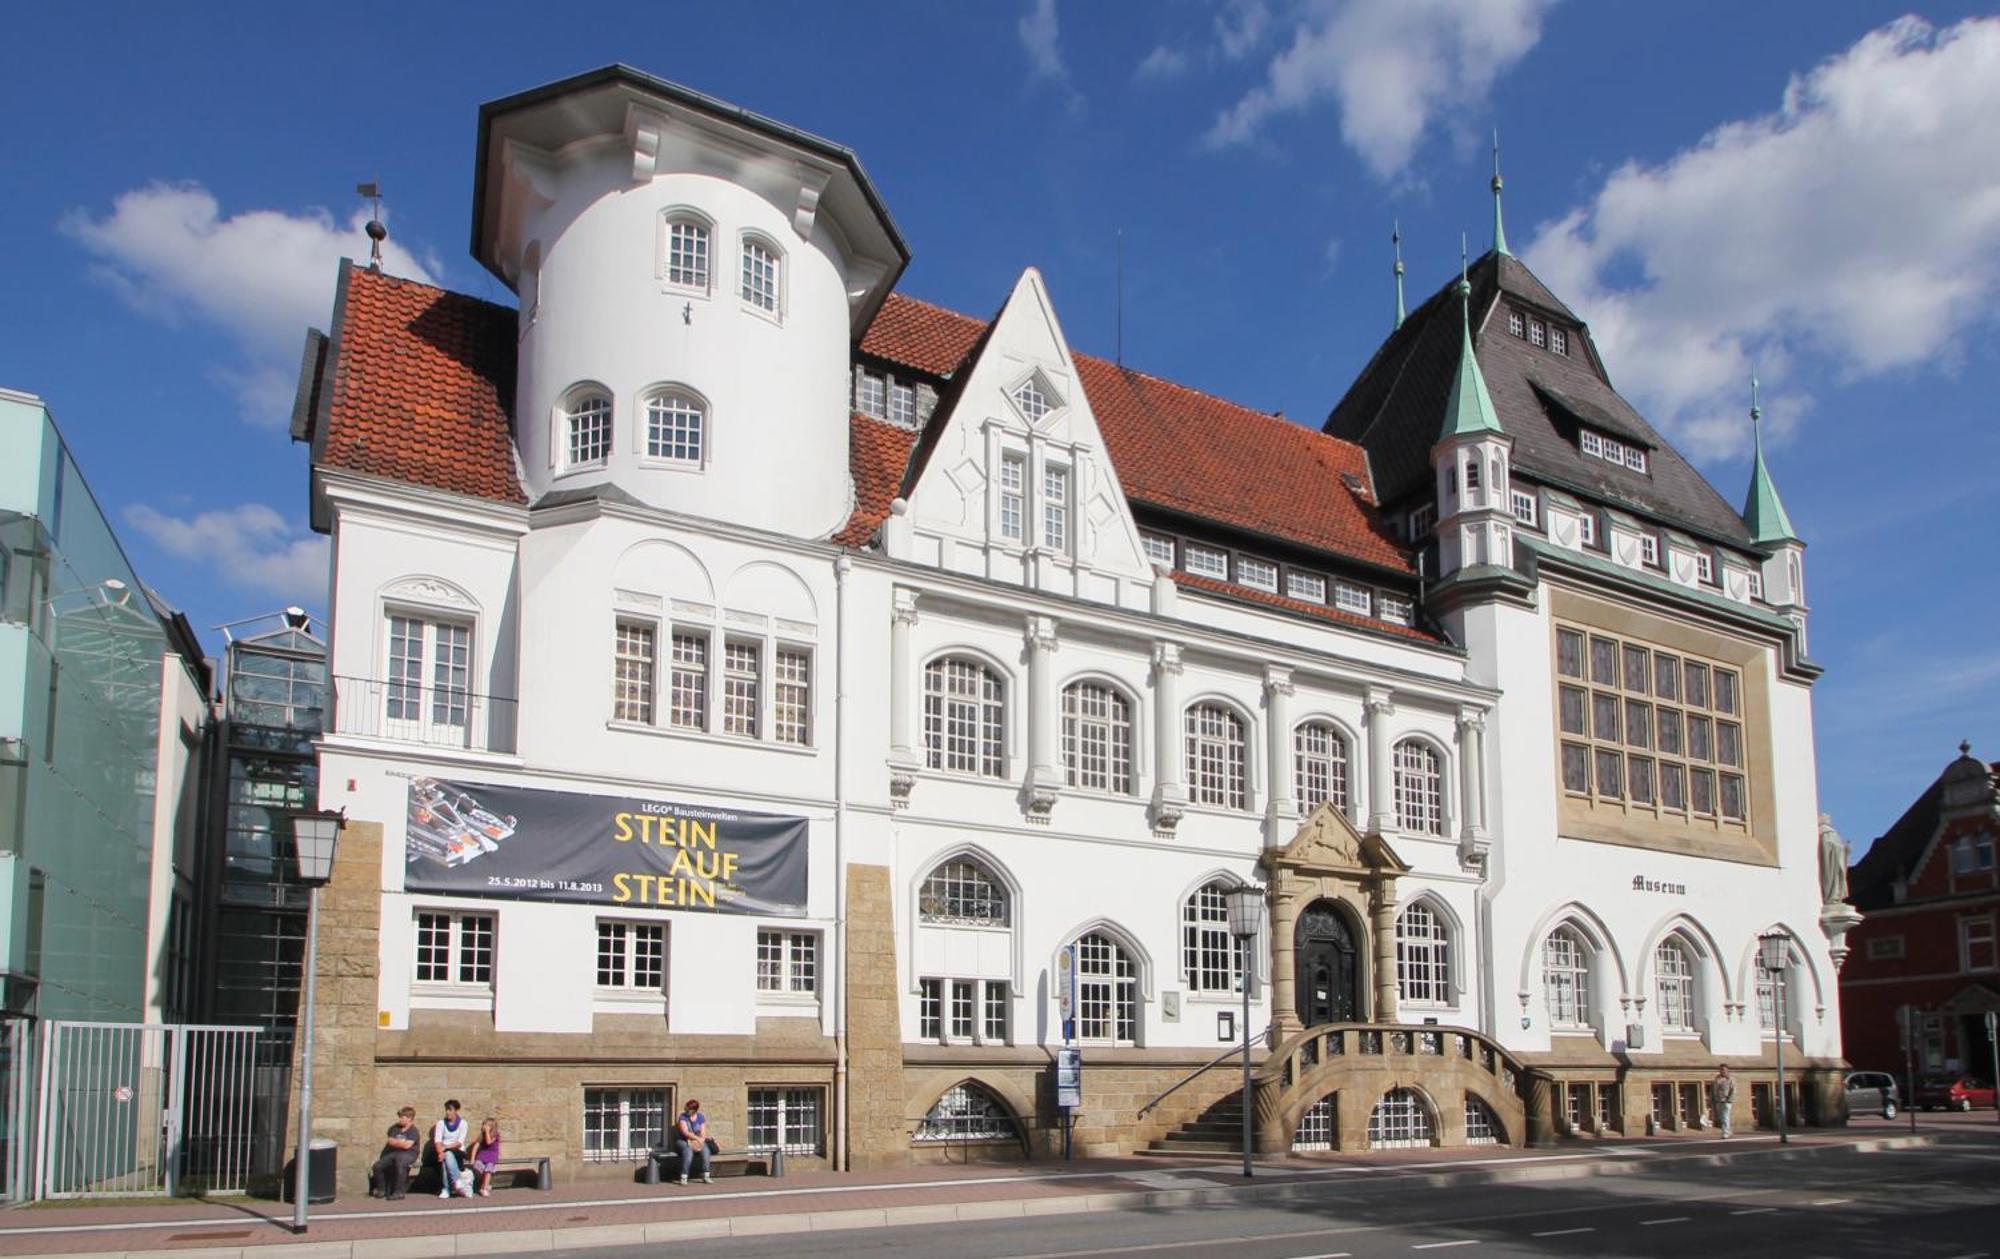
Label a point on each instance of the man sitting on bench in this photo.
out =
(691, 1140)
(391, 1173)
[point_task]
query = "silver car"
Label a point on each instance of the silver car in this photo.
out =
(1872, 1092)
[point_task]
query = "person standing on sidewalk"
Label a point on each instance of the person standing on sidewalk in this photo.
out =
(1722, 1097)
(391, 1173)
(691, 1135)
(449, 1138)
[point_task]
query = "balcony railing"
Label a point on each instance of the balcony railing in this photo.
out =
(420, 712)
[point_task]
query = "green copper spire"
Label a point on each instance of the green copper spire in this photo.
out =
(1763, 513)
(1469, 410)
(1499, 227)
(1396, 239)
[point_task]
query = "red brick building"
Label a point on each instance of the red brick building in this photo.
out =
(1931, 891)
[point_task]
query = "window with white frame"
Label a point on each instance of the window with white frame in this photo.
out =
(676, 426)
(1586, 529)
(1395, 609)
(1308, 587)
(586, 430)
(1756, 584)
(1107, 991)
(1349, 597)
(455, 949)
(1482, 1127)
(429, 673)
(1211, 958)
(964, 718)
(1401, 1120)
(1524, 505)
(761, 262)
(1159, 548)
(1649, 550)
(1215, 764)
(787, 1119)
(742, 676)
(687, 253)
(1097, 737)
(788, 962)
(1013, 496)
(963, 893)
(1769, 986)
(871, 394)
(1205, 561)
(1673, 985)
(1566, 979)
(1419, 788)
(1055, 507)
(1319, 766)
(967, 1112)
(1317, 1126)
(962, 1011)
(1538, 332)
(687, 683)
(1704, 568)
(902, 404)
(1257, 574)
(791, 696)
(1559, 341)
(1516, 326)
(1032, 399)
(1422, 519)
(1976, 943)
(1423, 956)
(631, 956)
(633, 661)
(623, 1124)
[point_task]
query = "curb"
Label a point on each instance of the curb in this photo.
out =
(659, 1232)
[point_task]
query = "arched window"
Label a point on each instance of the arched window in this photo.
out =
(1317, 1125)
(1423, 955)
(1215, 766)
(964, 718)
(967, 1112)
(1673, 982)
(684, 243)
(1107, 991)
(1419, 788)
(1211, 958)
(761, 273)
(962, 893)
(1400, 1120)
(1319, 766)
(1566, 978)
(676, 426)
(586, 429)
(1097, 737)
(1482, 1127)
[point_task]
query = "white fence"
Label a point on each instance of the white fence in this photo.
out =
(137, 1109)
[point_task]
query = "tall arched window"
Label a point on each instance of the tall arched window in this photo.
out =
(1211, 958)
(1319, 766)
(1423, 955)
(1419, 788)
(586, 429)
(1097, 737)
(761, 273)
(1215, 766)
(1566, 978)
(964, 718)
(676, 426)
(1107, 991)
(684, 244)
(1673, 982)
(962, 892)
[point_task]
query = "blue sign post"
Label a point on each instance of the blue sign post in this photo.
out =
(1069, 1059)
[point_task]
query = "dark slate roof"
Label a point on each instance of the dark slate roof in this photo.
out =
(1893, 856)
(1396, 406)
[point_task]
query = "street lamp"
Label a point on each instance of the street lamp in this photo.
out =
(1774, 952)
(1246, 915)
(313, 839)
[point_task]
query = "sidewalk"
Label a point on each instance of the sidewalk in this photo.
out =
(607, 1212)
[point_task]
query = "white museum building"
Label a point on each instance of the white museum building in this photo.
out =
(757, 685)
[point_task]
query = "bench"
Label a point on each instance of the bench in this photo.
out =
(663, 1162)
(431, 1174)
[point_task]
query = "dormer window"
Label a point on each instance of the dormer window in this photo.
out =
(902, 404)
(1586, 529)
(1756, 584)
(1649, 550)
(1538, 333)
(871, 395)
(1524, 507)
(1516, 326)
(1257, 574)
(1206, 561)
(1704, 568)
(1559, 341)
(1611, 450)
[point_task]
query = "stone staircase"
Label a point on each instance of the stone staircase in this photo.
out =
(1215, 1132)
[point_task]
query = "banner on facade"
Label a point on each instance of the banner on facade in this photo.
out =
(527, 844)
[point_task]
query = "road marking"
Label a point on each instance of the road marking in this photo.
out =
(1470, 1241)
(1754, 1211)
(1831, 1202)
(1672, 1219)
(1565, 1232)
(1337, 1254)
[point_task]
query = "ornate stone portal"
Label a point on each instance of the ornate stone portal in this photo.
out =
(1335, 882)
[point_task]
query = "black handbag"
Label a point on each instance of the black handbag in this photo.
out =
(714, 1147)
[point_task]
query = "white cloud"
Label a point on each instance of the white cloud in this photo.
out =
(1162, 63)
(250, 546)
(1240, 27)
(1041, 38)
(1855, 228)
(261, 276)
(1392, 67)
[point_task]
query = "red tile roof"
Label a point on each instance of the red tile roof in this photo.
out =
(422, 383)
(877, 454)
(1191, 581)
(916, 334)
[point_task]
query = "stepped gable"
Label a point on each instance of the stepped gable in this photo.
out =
(423, 387)
(1395, 407)
(1185, 451)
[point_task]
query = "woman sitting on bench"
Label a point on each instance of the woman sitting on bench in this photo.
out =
(486, 1155)
(691, 1136)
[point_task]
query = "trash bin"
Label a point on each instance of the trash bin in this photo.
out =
(321, 1166)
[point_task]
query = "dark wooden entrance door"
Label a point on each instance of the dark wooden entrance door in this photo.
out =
(1324, 949)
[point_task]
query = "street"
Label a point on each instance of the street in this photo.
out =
(1911, 1203)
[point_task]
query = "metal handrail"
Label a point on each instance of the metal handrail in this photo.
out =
(1234, 1051)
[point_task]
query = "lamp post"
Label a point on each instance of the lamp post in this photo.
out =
(313, 836)
(1774, 950)
(1246, 915)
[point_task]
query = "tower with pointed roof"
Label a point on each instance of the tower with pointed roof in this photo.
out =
(1782, 572)
(1471, 460)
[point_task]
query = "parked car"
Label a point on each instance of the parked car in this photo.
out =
(1955, 1092)
(1872, 1092)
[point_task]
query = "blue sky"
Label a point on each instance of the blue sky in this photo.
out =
(1804, 188)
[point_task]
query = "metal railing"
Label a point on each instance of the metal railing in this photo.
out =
(423, 712)
(1235, 1051)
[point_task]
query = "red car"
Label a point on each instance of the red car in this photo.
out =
(1955, 1092)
